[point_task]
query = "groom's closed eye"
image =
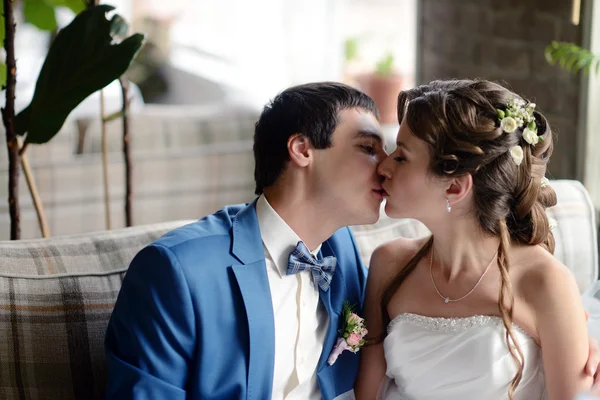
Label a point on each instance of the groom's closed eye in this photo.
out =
(368, 149)
(373, 138)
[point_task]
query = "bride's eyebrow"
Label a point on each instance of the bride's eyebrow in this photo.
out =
(403, 145)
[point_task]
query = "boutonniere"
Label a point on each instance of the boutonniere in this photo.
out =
(352, 334)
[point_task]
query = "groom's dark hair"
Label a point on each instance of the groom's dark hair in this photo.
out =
(310, 109)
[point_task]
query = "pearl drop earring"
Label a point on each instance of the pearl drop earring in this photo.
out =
(448, 208)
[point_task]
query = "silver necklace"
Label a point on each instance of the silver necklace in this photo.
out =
(448, 299)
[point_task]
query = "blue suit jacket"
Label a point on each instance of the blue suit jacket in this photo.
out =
(194, 317)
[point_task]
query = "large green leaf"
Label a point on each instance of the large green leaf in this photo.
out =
(40, 13)
(82, 60)
(571, 57)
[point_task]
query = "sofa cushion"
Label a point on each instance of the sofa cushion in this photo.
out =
(56, 297)
(576, 231)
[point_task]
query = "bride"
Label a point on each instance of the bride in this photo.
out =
(481, 308)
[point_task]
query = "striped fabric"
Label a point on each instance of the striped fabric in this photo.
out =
(56, 297)
(576, 233)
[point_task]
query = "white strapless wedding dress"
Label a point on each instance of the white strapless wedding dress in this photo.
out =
(456, 359)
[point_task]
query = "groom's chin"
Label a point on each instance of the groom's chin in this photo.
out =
(371, 218)
(363, 218)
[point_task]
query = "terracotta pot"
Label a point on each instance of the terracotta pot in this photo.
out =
(384, 91)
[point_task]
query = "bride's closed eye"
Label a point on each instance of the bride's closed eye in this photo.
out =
(399, 159)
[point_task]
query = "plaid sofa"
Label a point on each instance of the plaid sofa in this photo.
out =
(56, 295)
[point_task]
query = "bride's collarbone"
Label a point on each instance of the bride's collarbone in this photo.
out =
(417, 296)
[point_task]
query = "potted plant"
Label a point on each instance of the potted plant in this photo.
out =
(572, 57)
(350, 61)
(84, 57)
(383, 85)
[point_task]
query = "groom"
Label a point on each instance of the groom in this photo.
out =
(214, 311)
(218, 309)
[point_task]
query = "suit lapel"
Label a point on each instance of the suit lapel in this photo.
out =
(251, 276)
(331, 301)
(247, 244)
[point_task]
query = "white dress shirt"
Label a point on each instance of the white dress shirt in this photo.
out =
(301, 320)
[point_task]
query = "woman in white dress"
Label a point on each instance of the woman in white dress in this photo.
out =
(441, 311)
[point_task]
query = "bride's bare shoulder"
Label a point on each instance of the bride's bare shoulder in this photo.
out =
(390, 256)
(544, 279)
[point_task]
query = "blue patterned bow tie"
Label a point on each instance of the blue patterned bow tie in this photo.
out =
(322, 269)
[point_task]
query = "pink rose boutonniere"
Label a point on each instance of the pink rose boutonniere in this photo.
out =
(352, 334)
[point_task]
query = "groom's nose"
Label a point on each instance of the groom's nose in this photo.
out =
(383, 169)
(381, 155)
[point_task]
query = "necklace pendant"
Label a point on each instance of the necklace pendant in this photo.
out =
(446, 300)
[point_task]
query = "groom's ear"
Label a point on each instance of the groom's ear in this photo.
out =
(459, 188)
(300, 149)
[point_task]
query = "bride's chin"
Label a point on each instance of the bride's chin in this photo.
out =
(392, 211)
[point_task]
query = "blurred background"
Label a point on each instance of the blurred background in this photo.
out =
(209, 66)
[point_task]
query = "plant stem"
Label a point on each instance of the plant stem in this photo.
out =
(82, 128)
(23, 148)
(91, 4)
(8, 117)
(127, 153)
(105, 161)
(37, 202)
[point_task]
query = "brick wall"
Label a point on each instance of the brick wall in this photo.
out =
(504, 40)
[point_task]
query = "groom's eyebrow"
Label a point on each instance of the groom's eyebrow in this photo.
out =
(371, 134)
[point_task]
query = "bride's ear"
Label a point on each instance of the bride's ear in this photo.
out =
(459, 188)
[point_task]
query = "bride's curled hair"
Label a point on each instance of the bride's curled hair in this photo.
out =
(459, 121)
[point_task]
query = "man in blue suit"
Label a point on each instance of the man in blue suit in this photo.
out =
(246, 303)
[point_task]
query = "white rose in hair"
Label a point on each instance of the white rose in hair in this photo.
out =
(552, 223)
(545, 182)
(508, 124)
(530, 136)
(517, 154)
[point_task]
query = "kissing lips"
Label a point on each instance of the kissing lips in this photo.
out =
(380, 191)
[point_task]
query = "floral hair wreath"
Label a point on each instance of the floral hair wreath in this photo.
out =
(518, 115)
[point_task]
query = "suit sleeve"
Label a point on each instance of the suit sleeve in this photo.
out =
(150, 339)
